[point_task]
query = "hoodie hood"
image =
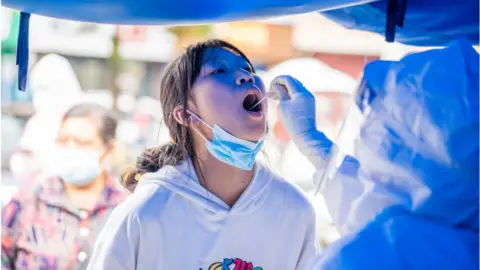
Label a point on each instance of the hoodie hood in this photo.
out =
(182, 181)
(420, 136)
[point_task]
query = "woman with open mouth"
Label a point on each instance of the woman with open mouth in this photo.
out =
(202, 201)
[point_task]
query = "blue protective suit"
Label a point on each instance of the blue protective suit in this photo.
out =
(410, 198)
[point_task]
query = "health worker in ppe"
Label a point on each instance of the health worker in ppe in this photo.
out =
(409, 198)
(53, 94)
(203, 201)
(35, 145)
(53, 225)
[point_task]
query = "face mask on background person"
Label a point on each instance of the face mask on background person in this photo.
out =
(77, 166)
(84, 145)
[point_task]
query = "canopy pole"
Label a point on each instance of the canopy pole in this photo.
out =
(22, 51)
(395, 17)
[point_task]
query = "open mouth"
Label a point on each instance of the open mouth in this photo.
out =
(251, 99)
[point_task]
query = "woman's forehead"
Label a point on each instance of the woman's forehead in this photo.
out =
(222, 54)
(80, 127)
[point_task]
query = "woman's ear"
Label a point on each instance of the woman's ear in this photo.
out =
(110, 150)
(183, 117)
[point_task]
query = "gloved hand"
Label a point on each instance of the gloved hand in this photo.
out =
(298, 116)
(344, 193)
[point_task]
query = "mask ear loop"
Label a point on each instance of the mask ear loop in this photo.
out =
(207, 199)
(203, 122)
(198, 118)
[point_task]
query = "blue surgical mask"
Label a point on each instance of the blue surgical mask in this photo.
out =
(75, 166)
(230, 149)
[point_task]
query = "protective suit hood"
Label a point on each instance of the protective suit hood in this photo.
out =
(420, 137)
(55, 86)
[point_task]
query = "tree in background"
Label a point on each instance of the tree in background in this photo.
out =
(114, 62)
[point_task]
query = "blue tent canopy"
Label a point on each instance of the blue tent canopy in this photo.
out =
(414, 22)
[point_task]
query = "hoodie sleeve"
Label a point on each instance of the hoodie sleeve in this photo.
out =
(117, 244)
(310, 249)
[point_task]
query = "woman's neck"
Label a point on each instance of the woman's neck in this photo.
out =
(224, 181)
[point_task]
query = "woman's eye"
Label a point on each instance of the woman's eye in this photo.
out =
(62, 140)
(218, 70)
(83, 143)
(248, 69)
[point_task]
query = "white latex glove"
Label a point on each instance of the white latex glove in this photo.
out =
(298, 116)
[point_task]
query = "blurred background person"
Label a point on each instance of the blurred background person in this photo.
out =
(55, 225)
(54, 88)
(36, 143)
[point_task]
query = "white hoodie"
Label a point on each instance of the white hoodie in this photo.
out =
(172, 222)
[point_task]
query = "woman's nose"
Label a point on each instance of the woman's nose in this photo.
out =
(244, 76)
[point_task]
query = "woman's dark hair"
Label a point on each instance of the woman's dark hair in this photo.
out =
(175, 89)
(103, 118)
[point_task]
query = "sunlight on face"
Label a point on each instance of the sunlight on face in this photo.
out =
(220, 93)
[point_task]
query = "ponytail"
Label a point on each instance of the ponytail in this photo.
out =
(151, 160)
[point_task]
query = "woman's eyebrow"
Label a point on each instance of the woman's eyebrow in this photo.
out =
(242, 62)
(215, 59)
(207, 65)
(247, 66)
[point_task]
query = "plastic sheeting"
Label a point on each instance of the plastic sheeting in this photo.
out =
(171, 12)
(426, 22)
(418, 152)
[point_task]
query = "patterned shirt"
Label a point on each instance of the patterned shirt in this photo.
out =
(43, 230)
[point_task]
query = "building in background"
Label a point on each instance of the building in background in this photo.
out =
(340, 48)
(266, 43)
(143, 50)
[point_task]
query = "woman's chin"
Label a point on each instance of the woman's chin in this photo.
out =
(255, 134)
(247, 129)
